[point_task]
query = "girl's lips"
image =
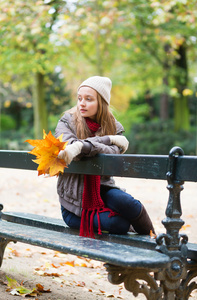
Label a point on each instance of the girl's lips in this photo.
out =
(82, 110)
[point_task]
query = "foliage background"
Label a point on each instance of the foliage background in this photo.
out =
(147, 47)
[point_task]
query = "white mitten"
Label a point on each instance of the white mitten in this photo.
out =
(70, 152)
(120, 141)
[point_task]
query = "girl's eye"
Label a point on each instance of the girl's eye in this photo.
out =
(85, 98)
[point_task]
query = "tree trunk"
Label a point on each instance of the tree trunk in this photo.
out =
(99, 60)
(40, 109)
(164, 101)
(181, 109)
(164, 111)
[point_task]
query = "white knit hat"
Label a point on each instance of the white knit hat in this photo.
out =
(100, 84)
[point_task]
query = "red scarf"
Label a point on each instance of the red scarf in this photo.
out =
(91, 200)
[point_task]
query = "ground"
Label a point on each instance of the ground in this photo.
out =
(67, 277)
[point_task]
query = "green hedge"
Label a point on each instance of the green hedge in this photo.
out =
(7, 122)
(156, 137)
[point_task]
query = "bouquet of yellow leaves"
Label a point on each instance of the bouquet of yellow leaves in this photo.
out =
(46, 152)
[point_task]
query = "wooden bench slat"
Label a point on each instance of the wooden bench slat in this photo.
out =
(120, 255)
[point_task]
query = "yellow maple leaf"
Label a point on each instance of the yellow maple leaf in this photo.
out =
(46, 152)
(152, 235)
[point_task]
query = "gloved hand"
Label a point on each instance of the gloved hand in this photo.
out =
(70, 152)
(120, 141)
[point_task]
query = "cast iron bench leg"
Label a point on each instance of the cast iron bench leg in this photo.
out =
(3, 241)
(3, 244)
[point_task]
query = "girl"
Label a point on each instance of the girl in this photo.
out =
(91, 202)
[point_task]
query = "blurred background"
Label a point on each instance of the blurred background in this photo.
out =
(147, 47)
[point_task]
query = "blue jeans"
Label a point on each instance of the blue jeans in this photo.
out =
(117, 200)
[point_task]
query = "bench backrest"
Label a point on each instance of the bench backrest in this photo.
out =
(183, 167)
(175, 168)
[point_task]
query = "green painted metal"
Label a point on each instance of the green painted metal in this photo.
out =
(53, 224)
(117, 254)
(138, 166)
(17, 160)
(170, 257)
(128, 165)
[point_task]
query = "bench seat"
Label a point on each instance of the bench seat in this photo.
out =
(131, 259)
(131, 239)
(102, 250)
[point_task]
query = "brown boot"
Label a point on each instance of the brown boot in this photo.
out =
(142, 224)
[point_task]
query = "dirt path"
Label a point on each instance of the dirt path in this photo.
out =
(66, 276)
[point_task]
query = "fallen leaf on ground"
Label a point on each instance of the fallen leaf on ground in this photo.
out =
(69, 263)
(184, 227)
(80, 283)
(49, 269)
(18, 289)
(41, 289)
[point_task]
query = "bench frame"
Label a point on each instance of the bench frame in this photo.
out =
(174, 280)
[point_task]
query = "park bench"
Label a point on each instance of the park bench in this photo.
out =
(160, 268)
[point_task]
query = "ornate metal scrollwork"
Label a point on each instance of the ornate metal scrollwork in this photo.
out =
(174, 282)
(132, 277)
(187, 285)
(173, 243)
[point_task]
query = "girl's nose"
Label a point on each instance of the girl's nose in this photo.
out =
(82, 102)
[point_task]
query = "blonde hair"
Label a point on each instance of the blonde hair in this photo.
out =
(103, 117)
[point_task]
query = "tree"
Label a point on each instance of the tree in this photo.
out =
(150, 36)
(89, 28)
(163, 30)
(140, 44)
(27, 48)
(179, 26)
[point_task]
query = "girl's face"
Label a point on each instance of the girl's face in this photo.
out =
(87, 102)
